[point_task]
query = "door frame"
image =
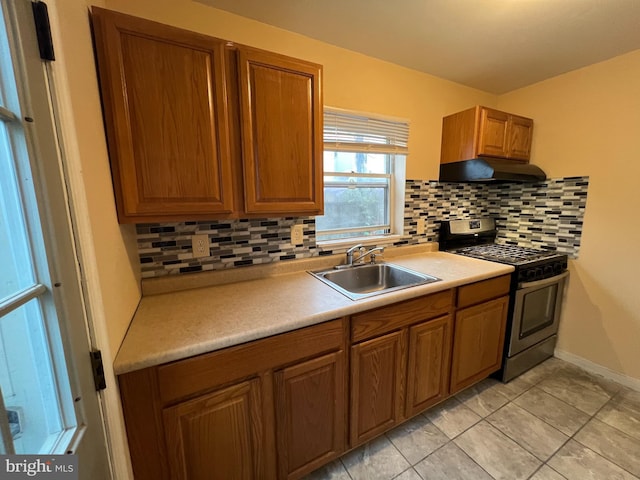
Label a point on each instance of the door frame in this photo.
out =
(117, 441)
(77, 216)
(47, 214)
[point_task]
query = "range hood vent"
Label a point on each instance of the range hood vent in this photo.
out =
(490, 170)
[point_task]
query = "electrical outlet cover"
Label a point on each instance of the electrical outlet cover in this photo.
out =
(200, 245)
(296, 235)
(420, 227)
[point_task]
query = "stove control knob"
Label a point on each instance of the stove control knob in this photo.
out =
(548, 270)
(531, 274)
(557, 268)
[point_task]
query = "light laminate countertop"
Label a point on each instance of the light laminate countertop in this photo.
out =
(177, 325)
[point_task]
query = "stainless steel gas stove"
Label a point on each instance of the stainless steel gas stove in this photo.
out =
(537, 287)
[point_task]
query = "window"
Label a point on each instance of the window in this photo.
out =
(36, 400)
(364, 163)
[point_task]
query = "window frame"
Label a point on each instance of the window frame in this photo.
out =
(396, 150)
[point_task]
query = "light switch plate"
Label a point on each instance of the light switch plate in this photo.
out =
(420, 227)
(200, 245)
(296, 235)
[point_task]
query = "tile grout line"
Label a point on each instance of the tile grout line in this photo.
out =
(572, 437)
(569, 437)
(591, 449)
(529, 385)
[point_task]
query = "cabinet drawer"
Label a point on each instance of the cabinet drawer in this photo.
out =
(482, 291)
(197, 374)
(386, 319)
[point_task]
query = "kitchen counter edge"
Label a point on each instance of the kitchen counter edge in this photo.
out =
(179, 325)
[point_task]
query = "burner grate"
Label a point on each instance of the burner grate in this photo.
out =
(504, 253)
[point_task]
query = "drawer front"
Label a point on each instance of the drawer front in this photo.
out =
(387, 319)
(184, 378)
(482, 291)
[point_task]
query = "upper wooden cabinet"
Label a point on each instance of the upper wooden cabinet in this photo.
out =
(199, 128)
(485, 132)
(166, 117)
(281, 112)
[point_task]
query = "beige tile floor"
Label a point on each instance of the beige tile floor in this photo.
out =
(554, 422)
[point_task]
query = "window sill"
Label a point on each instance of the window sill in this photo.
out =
(379, 240)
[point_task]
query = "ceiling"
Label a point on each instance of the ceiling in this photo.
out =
(493, 45)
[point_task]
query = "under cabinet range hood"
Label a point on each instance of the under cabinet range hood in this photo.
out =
(490, 170)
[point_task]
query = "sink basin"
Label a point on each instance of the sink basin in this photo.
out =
(366, 280)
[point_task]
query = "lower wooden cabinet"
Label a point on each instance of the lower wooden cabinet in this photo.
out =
(273, 408)
(376, 385)
(218, 436)
(396, 376)
(478, 342)
(283, 406)
(400, 365)
(310, 414)
(429, 361)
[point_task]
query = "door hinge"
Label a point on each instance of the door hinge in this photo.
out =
(43, 30)
(98, 370)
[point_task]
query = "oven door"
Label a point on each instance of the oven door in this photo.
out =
(536, 312)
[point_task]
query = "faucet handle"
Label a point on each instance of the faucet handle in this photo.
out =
(354, 248)
(374, 255)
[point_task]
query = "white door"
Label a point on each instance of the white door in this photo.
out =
(49, 400)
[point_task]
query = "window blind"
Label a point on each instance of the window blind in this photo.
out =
(353, 132)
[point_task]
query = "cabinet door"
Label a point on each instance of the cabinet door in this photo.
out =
(377, 379)
(493, 133)
(166, 118)
(478, 342)
(520, 133)
(218, 436)
(429, 359)
(310, 414)
(281, 113)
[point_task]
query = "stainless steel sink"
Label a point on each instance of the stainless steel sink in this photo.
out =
(361, 281)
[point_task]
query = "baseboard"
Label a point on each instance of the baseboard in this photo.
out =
(589, 366)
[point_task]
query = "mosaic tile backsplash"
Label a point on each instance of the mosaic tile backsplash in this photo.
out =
(543, 215)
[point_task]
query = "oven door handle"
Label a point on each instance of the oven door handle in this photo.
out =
(543, 282)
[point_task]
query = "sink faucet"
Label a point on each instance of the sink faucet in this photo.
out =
(362, 253)
(356, 248)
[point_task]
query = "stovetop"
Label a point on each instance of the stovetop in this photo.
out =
(510, 254)
(476, 238)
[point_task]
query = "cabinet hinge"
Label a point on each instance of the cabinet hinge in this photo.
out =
(43, 30)
(98, 370)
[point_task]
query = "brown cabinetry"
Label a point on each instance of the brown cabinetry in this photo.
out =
(281, 133)
(310, 414)
(217, 436)
(274, 408)
(478, 340)
(165, 107)
(199, 128)
(429, 362)
(377, 376)
(403, 353)
(283, 406)
(485, 132)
